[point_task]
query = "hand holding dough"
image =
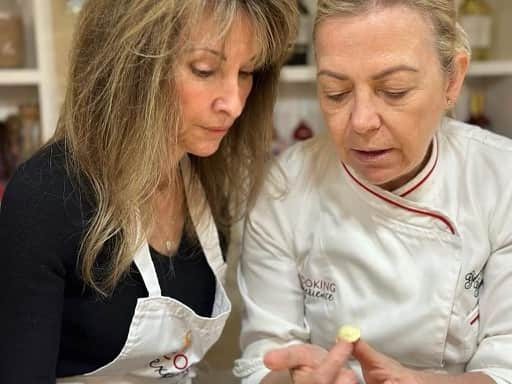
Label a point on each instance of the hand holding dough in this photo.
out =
(349, 333)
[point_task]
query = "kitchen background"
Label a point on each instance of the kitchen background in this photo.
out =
(35, 37)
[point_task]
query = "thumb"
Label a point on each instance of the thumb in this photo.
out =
(366, 355)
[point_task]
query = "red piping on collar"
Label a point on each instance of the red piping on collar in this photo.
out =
(415, 210)
(414, 187)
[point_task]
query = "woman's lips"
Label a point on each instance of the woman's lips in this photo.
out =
(217, 130)
(370, 156)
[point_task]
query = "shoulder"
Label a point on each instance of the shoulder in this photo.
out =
(475, 140)
(305, 161)
(481, 160)
(43, 196)
(296, 176)
(43, 172)
(476, 151)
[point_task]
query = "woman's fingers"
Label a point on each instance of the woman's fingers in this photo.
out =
(294, 356)
(346, 376)
(366, 355)
(311, 364)
(335, 361)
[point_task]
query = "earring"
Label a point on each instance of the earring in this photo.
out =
(449, 101)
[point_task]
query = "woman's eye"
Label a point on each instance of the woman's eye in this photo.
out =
(395, 94)
(201, 72)
(246, 74)
(336, 97)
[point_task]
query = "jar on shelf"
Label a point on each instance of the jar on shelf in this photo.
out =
(476, 18)
(300, 50)
(10, 124)
(30, 138)
(302, 131)
(477, 115)
(11, 35)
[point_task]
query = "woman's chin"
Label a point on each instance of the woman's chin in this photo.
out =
(204, 151)
(383, 180)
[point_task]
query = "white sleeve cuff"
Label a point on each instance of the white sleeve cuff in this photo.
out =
(250, 371)
(499, 375)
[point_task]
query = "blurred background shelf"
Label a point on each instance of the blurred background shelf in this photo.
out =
(307, 73)
(34, 82)
(298, 74)
(490, 68)
(19, 77)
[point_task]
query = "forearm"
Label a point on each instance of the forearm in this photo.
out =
(464, 378)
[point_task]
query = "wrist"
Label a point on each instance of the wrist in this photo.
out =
(422, 377)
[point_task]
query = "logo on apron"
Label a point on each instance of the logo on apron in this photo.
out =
(177, 359)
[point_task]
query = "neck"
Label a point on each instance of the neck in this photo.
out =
(404, 179)
(169, 217)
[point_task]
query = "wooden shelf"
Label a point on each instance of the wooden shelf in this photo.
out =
(490, 68)
(19, 77)
(36, 83)
(298, 74)
(307, 73)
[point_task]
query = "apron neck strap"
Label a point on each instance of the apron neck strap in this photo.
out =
(147, 270)
(206, 232)
(203, 220)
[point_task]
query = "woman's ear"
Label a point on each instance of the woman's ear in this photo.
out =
(456, 78)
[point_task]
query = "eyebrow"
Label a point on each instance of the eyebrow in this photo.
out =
(218, 53)
(380, 75)
(212, 51)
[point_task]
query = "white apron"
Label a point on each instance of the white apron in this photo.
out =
(166, 338)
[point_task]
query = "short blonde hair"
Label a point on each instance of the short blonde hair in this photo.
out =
(449, 37)
(121, 115)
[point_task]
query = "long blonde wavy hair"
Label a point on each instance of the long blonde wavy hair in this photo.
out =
(121, 116)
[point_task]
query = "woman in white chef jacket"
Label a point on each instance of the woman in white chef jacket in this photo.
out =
(398, 220)
(110, 235)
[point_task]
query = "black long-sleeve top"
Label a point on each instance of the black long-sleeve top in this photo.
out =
(51, 325)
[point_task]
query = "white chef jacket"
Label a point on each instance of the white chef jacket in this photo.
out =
(424, 271)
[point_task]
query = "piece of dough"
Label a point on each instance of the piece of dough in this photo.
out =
(349, 333)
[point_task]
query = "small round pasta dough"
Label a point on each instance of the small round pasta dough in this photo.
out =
(349, 333)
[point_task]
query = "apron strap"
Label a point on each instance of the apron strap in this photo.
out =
(206, 232)
(146, 268)
(203, 221)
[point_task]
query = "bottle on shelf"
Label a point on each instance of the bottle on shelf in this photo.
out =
(30, 129)
(75, 6)
(4, 154)
(302, 132)
(11, 34)
(9, 144)
(476, 17)
(477, 114)
(299, 54)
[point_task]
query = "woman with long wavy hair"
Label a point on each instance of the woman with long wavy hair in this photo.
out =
(111, 234)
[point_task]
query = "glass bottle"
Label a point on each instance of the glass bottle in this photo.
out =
(11, 34)
(476, 17)
(302, 131)
(299, 54)
(477, 114)
(30, 129)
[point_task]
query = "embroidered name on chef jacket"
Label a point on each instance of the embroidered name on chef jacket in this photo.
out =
(474, 281)
(318, 288)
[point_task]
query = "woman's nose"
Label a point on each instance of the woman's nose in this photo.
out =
(231, 99)
(364, 116)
